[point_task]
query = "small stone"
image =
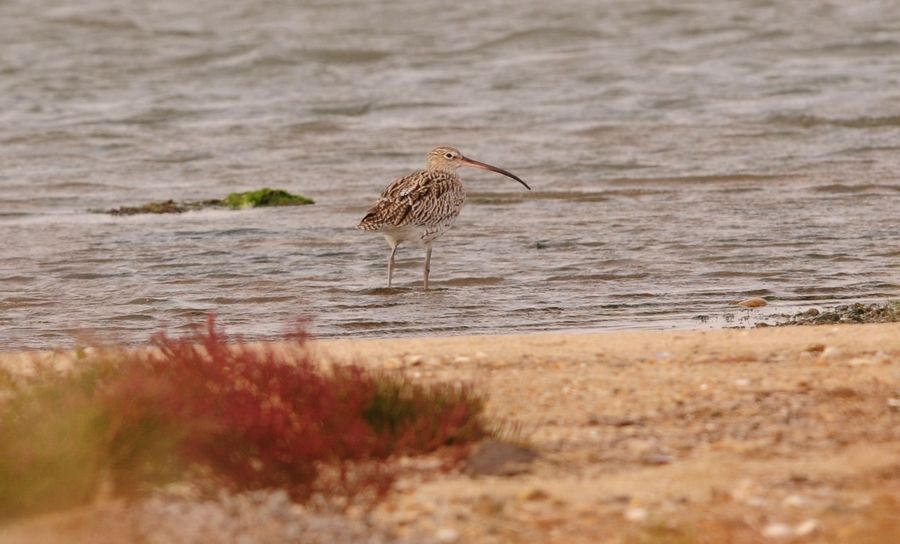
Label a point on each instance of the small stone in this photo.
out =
(742, 490)
(807, 527)
(278, 503)
(393, 363)
(893, 403)
(812, 312)
(755, 302)
(636, 514)
(657, 459)
(860, 361)
(488, 505)
(497, 458)
(462, 360)
(534, 494)
(794, 501)
(831, 352)
(777, 530)
(413, 360)
(447, 535)
(624, 422)
(816, 348)
(742, 382)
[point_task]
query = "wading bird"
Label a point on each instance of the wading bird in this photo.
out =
(423, 205)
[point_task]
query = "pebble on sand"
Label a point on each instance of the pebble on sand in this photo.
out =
(393, 363)
(807, 527)
(534, 494)
(636, 514)
(777, 530)
(413, 360)
(831, 353)
(497, 458)
(447, 535)
(783, 530)
(755, 302)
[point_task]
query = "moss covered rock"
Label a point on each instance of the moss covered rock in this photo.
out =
(264, 197)
(236, 201)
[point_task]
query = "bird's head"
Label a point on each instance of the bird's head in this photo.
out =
(449, 159)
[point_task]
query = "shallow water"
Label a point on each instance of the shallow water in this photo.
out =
(681, 157)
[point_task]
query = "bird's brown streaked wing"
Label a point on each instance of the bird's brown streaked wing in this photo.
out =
(385, 212)
(410, 200)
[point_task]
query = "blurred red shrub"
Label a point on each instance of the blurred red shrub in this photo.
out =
(262, 416)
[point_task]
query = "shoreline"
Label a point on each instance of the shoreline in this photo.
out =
(736, 318)
(704, 345)
(616, 343)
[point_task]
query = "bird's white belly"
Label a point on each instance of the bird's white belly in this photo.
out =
(421, 234)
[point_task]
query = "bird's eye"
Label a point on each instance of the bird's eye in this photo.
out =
(448, 155)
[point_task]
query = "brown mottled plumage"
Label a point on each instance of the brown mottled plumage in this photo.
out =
(424, 204)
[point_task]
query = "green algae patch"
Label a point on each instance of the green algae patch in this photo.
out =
(264, 197)
(236, 201)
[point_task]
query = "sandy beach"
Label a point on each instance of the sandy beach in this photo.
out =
(754, 431)
(691, 436)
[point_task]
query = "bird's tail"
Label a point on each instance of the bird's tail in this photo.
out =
(369, 222)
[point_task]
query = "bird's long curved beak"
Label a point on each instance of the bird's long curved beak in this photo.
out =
(483, 166)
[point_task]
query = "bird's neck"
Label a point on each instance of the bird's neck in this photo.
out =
(440, 166)
(450, 172)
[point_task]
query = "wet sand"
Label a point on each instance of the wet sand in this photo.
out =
(729, 435)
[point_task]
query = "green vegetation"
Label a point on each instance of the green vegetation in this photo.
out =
(236, 201)
(264, 197)
(50, 444)
(420, 418)
(210, 407)
(61, 440)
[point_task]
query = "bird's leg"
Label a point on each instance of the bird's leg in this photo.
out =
(391, 263)
(427, 264)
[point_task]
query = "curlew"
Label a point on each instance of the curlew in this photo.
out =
(422, 206)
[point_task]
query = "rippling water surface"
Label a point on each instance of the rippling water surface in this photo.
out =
(682, 155)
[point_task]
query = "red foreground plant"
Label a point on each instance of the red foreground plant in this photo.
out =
(260, 418)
